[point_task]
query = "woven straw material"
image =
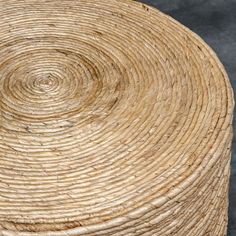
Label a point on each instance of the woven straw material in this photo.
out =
(114, 120)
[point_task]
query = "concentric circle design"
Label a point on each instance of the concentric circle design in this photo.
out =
(114, 120)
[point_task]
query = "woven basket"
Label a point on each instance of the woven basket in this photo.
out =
(114, 120)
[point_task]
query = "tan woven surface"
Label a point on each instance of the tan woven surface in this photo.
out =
(114, 120)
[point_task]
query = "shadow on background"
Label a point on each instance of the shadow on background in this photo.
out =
(215, 22)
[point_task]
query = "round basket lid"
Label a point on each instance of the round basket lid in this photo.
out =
(114, 120)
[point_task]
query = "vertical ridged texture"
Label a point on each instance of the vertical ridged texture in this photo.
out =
(114, 120)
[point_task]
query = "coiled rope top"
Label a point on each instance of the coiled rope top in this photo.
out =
(114, 120)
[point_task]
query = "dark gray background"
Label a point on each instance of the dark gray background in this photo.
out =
(215, 22)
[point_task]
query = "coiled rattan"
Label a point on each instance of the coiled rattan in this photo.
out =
(114, 120)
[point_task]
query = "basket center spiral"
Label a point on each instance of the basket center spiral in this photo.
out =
(44, 82)
(46, 77)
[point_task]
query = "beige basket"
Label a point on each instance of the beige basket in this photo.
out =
(114, 120)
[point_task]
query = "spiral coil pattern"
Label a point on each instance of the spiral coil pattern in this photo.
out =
(114, 120)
